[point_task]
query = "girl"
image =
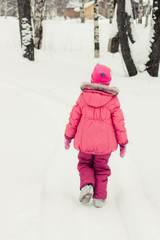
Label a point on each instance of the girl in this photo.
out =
(97, 125)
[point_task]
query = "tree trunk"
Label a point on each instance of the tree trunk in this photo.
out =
(96, 29)
(38, 18)
(140, 11)
(82, 15)
(148, 12)
(24, 10)
(153, 63)
(111, 11)
(6, 8)
(113, 45)
(123, 39)
(129, 28)
(48, 9)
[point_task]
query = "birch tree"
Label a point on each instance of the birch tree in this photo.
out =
(121, 21)
(113, 44)
(154, 57)
(24, 11)
(140, 11)
(129, 20)
(38, 18)
(82, 15)
(148, 12)
(111, 10)
(96, 29)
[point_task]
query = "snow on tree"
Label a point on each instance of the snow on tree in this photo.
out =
(96, 29)
(38, 17)
(129, 20)
(24, 10)
(113, 44)
(123, 39)
(154, 57)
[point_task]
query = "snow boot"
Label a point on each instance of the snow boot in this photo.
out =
(98, 203)
(86, 193)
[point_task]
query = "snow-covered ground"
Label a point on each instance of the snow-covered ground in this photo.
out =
(39, 181)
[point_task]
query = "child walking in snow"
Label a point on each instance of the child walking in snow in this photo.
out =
(97, 126)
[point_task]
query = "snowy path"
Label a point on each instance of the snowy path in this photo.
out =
(54, 211)
(26, 146)
(55, 198)
(39, 181)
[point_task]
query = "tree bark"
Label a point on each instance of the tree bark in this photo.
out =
(113, 45)
(140, 11)
(153, 63)
(124, 40)
(111, 11)
(96, 29)
(82, 15)
(24, 10)
(148, 12)
(38, 18)
(129, 29)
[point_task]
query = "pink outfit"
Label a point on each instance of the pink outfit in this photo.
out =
(101, 74)
(96, 121)
(94, 169)
(97, 125)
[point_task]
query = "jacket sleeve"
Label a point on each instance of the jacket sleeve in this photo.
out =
(118, 123)
(74, 119)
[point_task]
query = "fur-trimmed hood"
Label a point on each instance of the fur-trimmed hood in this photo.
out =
(99, 87)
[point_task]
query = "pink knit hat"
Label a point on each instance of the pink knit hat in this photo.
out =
(101, 74)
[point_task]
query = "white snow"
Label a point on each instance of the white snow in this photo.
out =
(88, 4)
(39, 181)
(128, 8)
(144, 1)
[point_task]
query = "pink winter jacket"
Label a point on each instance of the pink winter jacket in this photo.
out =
(96, 121)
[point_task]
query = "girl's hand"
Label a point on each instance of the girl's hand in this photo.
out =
(67, 143)
(122, 151)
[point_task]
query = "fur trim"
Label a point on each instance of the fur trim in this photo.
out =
(99, 87)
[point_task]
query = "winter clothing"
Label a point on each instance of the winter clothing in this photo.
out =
(94, 169)
(122, 151)
(96, 121)
(98, 203)
(86, 194)
(101, 74)
(97, 126)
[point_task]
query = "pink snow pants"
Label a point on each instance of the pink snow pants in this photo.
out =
(94, 169)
